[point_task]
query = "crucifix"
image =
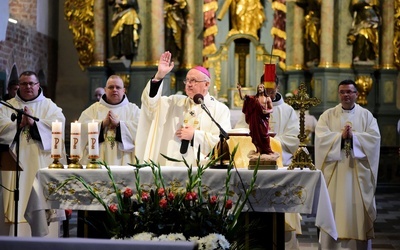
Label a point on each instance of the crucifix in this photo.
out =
(302, 102)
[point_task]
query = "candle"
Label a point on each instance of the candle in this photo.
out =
(93, 136)
(75, 147)
(56, 139)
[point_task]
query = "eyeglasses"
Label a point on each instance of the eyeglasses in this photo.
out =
(193, 81)
(30, 84)
(348, 92)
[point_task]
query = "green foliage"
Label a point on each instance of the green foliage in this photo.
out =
(162, 210)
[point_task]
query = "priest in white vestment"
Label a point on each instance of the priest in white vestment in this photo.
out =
(35, 145)
(285, 123)
(175, 125)
(118, 122)
(347, 146)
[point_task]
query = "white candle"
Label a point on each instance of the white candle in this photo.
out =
(56, 139)
(75, 147)
(93, 136)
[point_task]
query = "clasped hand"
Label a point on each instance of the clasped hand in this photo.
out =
(347, 132)
(26, 120)
(185, 133)
(111, 120)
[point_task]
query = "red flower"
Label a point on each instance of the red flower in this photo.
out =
(213, 200)
(228, 204)
(161, 192)
(145, 196)
(163, 203)
(189, 196)
(113, 208)
(171, 196)
(194, 195)
(128, 193)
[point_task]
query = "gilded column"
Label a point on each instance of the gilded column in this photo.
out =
(289, 35)
(344, 51)
(387, 58)
(188, 60)
(157, 30)
(396, 36)
(100, 38)
(298, 38)
(327, 22)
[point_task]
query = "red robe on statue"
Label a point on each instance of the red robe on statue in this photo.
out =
(258, 123)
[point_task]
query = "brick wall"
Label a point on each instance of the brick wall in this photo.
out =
(27, 48)
(24, 11)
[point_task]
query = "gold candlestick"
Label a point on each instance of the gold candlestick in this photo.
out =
(75, 162)
(56, 164)
(93, 163)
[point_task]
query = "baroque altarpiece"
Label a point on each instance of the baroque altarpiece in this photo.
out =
(315, 42)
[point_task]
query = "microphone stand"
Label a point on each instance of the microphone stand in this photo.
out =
(17, 117)
(222, 135)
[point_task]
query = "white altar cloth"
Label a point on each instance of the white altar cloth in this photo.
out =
(287, 191)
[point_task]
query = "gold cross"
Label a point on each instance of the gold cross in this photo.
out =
(302, 102)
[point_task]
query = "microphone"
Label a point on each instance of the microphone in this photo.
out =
(184, 146)
(198, 99)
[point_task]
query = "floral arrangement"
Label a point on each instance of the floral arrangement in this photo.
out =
(164, 213)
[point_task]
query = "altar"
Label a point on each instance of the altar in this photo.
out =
(277, 191)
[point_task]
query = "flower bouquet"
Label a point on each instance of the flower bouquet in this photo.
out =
(168, 213)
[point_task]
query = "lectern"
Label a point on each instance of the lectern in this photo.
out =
(7, 159)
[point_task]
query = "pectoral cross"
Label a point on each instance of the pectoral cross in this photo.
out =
(302, 102)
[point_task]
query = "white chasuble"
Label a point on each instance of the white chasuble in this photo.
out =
(162, 116)
(351, 179)
(112, 150)
(33, 153)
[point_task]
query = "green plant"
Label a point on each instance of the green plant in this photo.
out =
(162, 210)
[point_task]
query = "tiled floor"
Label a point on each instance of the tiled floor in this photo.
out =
(387, 225)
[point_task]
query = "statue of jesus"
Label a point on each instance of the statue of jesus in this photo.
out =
(257, 109)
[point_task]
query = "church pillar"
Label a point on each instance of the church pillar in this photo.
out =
(157, 30)
(298, 37)
(325, 77)
(327, 22)
(189, 37)
(97, 72)
(294, 36)
(294, 46)
(100, 37)
(387, 112)
(344, 51)
(387, 58)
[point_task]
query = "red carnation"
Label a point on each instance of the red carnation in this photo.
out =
(194, 195)
(189, 196)
(145, 196)
(161, 192)
(128, 193)
(213, 200)
(171, 196)
(228, 204)
(113, 208)
(163, 203)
